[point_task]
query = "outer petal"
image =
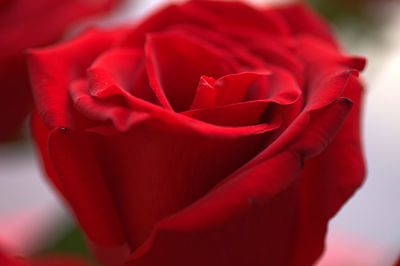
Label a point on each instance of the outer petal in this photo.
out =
(156, 169)
(207, 14)
(124, 68)
(100, 111)
(86, 191)
(320, 57)
(241, 16)
(223, 42)
(302, 21)
(52, 69)
(329, 179)
(40, 134)
(244, 223)
(250, 218)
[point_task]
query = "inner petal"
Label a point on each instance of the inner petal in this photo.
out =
(176, 62)
(277, 85)
(240, 114)
(229, 89)
(117, 69)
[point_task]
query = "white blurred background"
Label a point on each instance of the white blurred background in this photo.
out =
(366, 232)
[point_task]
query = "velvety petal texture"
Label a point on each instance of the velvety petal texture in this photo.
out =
(211, 133)
(26, 24)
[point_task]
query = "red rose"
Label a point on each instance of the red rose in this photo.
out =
(210, 134)
(25, 24)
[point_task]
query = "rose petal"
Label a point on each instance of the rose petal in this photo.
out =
(240, 114)
(229, 89)
(277, 86)
(275, 53)
(40, 135)
(321, 57)
(244, 210)
(327, 181)
(124, 68)
(101, 110)
(167, 75)
(84, 186)
(240, 15)
(244, 56)
(93, 110)
(154, 182)
(332, 88)
(53, 68)
(171, 14)
(246, 213)
(302, 21)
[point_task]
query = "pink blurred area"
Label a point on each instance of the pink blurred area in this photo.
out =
(346, 249)
(26, 230)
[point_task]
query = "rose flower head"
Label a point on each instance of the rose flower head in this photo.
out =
(211, 133)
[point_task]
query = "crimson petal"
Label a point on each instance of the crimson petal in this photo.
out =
(244, 210)
(166, 74)
(302, 21)
(124, 68)
(53, 68)
(84, 186)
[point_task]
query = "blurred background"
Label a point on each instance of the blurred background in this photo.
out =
(366, 232)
